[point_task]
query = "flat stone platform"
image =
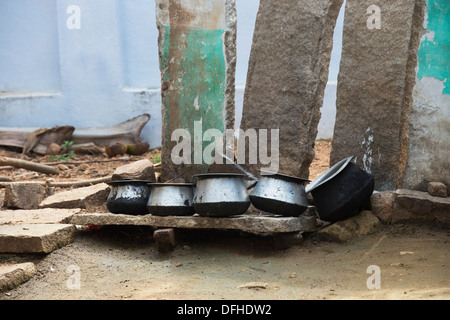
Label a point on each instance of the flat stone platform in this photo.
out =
(248, 223)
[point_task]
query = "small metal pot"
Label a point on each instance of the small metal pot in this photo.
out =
(342, 191)
(280, 194)
(221, 195)
(171, 199)
(128, 197)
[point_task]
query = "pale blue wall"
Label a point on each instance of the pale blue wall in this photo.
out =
(102, 74)
(29, 58)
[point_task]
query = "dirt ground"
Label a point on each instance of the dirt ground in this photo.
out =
(122, 263)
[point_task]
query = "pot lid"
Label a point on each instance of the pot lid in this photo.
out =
(329, 174)
(265, 173)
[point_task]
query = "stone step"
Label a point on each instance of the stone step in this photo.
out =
(246, 223)
(85, 197)
(418, 205)
(39, 216)
(35, 238)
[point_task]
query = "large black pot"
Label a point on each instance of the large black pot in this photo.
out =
(342, 191)
(128, 197)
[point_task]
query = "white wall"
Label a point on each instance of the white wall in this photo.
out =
(103, 73)
(326, 124)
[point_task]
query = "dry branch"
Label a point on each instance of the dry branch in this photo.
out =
(19, 163)
(93, 161)
(77, 184)
(65, 184)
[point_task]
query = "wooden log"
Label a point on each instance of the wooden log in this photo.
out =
(39, 140)
(19, 163)
(127, 132)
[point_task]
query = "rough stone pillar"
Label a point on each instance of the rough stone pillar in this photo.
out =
(429, 132)
(197, 49)
(288, 72)
(375, 82)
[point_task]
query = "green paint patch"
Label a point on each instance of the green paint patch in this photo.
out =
(434, 54)
(194, 64)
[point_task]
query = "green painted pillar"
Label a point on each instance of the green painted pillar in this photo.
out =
(197, 42)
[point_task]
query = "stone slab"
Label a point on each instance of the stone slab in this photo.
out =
(197, 50)
(247, 223)
(286, 80)
(85, 197)
(39, 216)
(35, 238)
(376, 78)
(417, 205)
(13, 275)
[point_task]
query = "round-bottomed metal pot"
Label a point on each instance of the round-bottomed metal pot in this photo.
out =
(342, 191)
(221, 195)
(128, 197)
(171, 199)
(280, 194)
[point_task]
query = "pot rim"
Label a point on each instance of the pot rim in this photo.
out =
(283, 176)
(329, 174)
(125, 181)
(218, 175)
(171, 184)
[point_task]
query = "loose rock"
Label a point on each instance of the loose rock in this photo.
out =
(53, 149)
(24, 195)
(139, 170)
(382, 205)
(165, 239)
(437, 189)
(342, 231)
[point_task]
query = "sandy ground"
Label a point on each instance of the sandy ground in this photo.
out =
(123, 263)
(411, 262)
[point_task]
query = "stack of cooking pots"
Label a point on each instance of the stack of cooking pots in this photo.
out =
(213, 195)
(339, 193)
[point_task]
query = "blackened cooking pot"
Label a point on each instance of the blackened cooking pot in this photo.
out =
(342, 191)
(280, 194)
(128, 197)
(171, 199)
(220, 195)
